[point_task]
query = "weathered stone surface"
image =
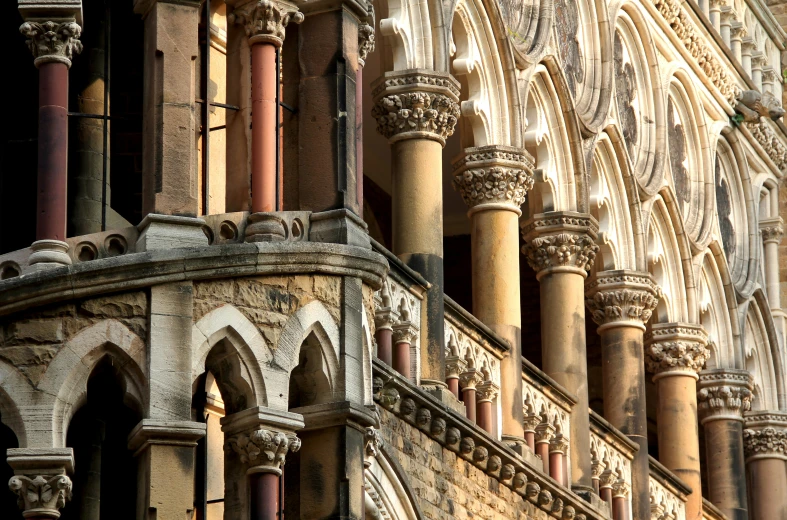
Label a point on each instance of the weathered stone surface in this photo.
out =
(130, 305)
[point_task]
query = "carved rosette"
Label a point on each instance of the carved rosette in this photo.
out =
(724, 394)
(264, 449)
(772, 230)
(494, 175)
(765, 435)
(265, 20)
(615, 297)
(413, 104)
(41, 496)
(487, 391)
(676, 347)
(52, 41)
(560, 239)
(366, 34)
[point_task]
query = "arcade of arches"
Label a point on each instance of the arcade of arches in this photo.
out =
(393, 260)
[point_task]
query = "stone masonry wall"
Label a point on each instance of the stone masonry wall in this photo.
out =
(31, 340)
(447, 486)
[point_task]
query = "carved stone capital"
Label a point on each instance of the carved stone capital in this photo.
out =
(265, 20)
(404, 332)
(608, 478)
(487, 391)
(385, 318)
(676, 347)
(738, 31)
(559, 444)
(562, 240)
(531, 422)
(413, 104)
(772, 230)
(765, 435)
(621, 489)
(493, 175)
(620, 297)
(454, 366)
(41, 496)
(597, 467)
(544, 432)
(366, 34)
(470, 379)
(264, 449)
(724, 394)
(52, 41)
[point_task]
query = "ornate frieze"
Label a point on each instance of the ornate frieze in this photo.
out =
(621, 296)
(41, 495)
(52, 40)
(772, 229)
(560, 239)
(724, 394)
(265, 449)
(695, 43)
(771, 144)
(676, 347)
(494, 175)
(416, 104)
(266, 20)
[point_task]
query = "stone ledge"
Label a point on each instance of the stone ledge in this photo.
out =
(613, 436)
(41, 460)
(668, 479)
(455, 433)
(138, 270)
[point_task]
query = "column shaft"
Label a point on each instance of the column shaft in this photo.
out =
(768, 479)
(264, 496)
(401, 358)
(384, 348)
(484, 412)
(52, 150)
(725, 467)
(470, 405)
(772, 273)
(264, 134)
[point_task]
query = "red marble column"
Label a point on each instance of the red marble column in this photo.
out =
(264, 134)
(485, 395)
(544, 434)
(403, 335)
(264, 499)
(620, 503)
(454, 367)
(469, 380)
(557, 452)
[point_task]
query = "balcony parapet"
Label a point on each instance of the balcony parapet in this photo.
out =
(711, 512)
(450, 429)
(668, 493)
(611, 456)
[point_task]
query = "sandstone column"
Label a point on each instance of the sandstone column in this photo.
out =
(264, 22)
(261, 440)
(169, 146)
(772, 232)
(621, 303)
(561, 249)
(53, 39)
(416, 110)
(675, 353)
(40, 480)
(765, 449)
(493, 181)
(724, 395)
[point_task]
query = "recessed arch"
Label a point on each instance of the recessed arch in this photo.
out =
(15, 390)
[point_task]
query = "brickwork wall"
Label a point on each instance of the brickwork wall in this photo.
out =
(447, 486)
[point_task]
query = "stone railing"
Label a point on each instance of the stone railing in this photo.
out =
(711, 512)
(611, 455)
(668, 494)
(398, 307)
(446, 426)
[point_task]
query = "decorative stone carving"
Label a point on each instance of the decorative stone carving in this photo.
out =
(487, 391)
(366, 34)
(608, 478)
(404, 332)
(621, 488)
(265, 20)
(695, 43)
(454, 366)
(42, 495)
(560, 239)
(767, 441)
(470, 379)
(52, 40)
(559, 444)
(724, 394)
(772, 229)
(264, 448)
(544, 432)
(673, 347)
(416, 104)
(494, 175)
(771, 144)
(752, 105)
(616, 296)
(373, 441)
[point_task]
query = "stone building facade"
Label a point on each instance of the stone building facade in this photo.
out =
(393, 260)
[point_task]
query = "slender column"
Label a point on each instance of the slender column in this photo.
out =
(621, 303)
(561, 248)
(40, 480)
(384, 319)
(747, 47)
(494, 216)
(557, 452)
(454, 367)
(772, 232)
(714, 14)
(737, 33)
(53, 42)
(544, 434)
(416, 110)
(531, 422)
(597, 468)
(403, 335)
(606, 481)
(620, 502)
(765, 449)
(757, 62)
(469, 380)
(486, 393)
(725, 24)
(675, 353)
(724, 395)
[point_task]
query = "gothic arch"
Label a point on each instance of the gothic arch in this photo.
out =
(406, 35)
(227, 343)
(760, 360)
(717, 309)
(387, 491)
(66, 385)
(772, 346)
(15, 393)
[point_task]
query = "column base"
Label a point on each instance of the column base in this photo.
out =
(48, 254)
(265, 227)
(170, 232)
(440, 391)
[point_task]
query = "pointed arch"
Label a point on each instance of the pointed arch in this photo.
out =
(16, 395)
(225, 341)
(717, 308)
(65, 384)
(388, 488)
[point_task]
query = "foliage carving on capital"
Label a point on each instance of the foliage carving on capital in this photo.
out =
(772, 230)
(621, 488)
(427, 112)
(666, 356)
(366, 34)
(562, 249)
(493, 175)
(723, 400)
(266, 20)
(52, 41)
(470, 379)
(765, 441)
(41, 495)
(404, 332)
(487, 391)
(265, 448)
(610, 306)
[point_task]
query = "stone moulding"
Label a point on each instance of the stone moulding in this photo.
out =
(711, 66)
(773, 147)
(455, 433)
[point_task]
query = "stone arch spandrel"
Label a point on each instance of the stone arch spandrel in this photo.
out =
(387, 486)
(248, 352)
(17, 396)
(64, 386)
